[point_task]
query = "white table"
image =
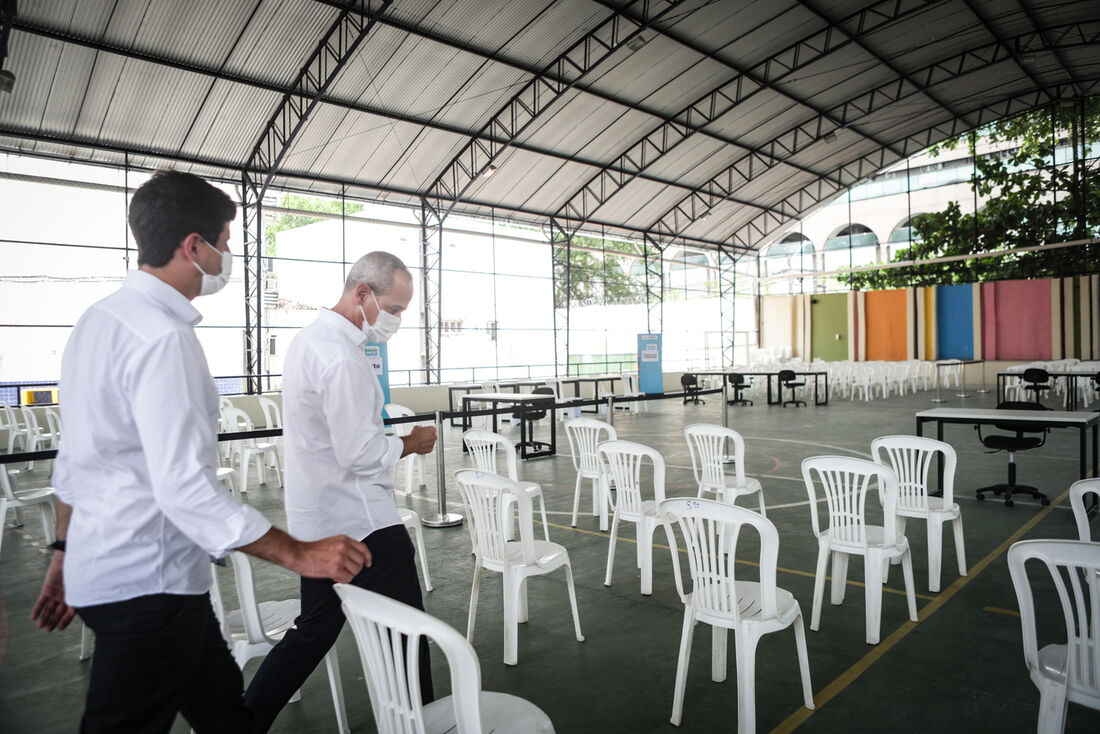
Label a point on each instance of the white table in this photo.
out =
(516, 398)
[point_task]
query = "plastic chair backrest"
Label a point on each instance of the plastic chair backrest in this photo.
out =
(238, 420)
(7, 484)
(484, 495)
(393, 410)
(273, 417)
(709, 528)
(1079, 563)
(388, 635)
(911, 458)
(218, 604)
(30, 420)
(483, 446)
(584, 435)
(846, 482)
(622, 461)
(707, 446)
(53, 419)
(1077, 492)
(7, 417)
(246, 596)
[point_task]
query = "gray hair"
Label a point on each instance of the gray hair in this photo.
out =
(376, 269)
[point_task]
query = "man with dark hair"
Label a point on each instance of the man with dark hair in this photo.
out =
(135, 479)
(339, 470)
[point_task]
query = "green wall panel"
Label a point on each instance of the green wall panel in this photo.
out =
(829, 317)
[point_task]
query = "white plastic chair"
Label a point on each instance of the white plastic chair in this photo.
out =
(388, 635)
(412, 461)
(412, 522)
(751, 609)
(17, 432)
(484, 494)
(273, 418)
(16, 499)
(1077, 492)
(621, 462)
(1070, 671)
(483, 447)
(846, 482)
(911, 458)
(37, 438)
(256, 627)
(225, 476)
(247, 449)
(584, 435)
(708, 445)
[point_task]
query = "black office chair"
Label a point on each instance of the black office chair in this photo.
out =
(1037, 381)
(1012, 444)
(786, 379)
(691, 389)
(739, 384)
(531, 413)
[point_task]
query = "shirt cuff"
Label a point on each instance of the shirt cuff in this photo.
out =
(396, 447)
(246, 525)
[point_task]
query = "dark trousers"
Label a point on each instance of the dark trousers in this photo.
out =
(156, 656)
(392, 573)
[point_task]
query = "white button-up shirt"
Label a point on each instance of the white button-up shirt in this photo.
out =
(138, 457)
(338, 458)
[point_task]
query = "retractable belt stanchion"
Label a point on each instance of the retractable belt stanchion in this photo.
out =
(984, 390)
(937, 399)
(441, 519)
(725, 402)
(964, 393)
(610, 409)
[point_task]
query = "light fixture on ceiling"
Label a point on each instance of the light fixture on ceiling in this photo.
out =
(706, 215)
(636, 43)
(488, 173)
(829, 137)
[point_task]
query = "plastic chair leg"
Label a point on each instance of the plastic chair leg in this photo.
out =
(910, 587)
(1052, 707)
(803, 661)
(545, 524)
(600, 494)
(611, 549)
(901, 531)
(86, 639)
(935, 552)
(576, 499)
(573, 602)
(840, 577)
(873, 595)
(686, 635)
(46, 515)
(960, 546)
(522, 605)
(745, 657)
(512, 591)
(763, 510)
(645, 555)
(819, 586)
(419, 534)
(332, 666)
(719, 651)
(473, 603)
(3, 518)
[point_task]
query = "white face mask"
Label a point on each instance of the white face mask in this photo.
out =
(384, 327)
(214, 283)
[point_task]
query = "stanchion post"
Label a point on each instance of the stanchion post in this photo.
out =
(984, 390)
(442, 518)
(725, 402)
(610, 409)
(938, 399)
(962, 368)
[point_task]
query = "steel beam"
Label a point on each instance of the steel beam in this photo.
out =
(431, 253)
(452, 183)
(561, 246)
(727, 300)
(754, 233)
(654, 284)
(252, 223)
(798, 138)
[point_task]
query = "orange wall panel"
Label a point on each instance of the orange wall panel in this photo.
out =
(887, 330)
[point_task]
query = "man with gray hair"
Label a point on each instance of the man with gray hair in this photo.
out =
(339, 464)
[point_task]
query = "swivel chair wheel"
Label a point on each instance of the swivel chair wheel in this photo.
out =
(1009, 503)
(1044, 502)
(981, 497)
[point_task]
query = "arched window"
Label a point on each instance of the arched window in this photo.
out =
(792, 254)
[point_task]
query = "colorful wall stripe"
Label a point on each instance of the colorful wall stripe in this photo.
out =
(887, 332)
(955, 322)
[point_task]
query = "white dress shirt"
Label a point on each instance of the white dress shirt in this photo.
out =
(137, 461)
(338, 458)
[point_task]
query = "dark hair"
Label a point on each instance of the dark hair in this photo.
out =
(170, 206)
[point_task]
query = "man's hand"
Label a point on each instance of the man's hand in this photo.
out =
(338, 558)
(421, 440)
(50, 611)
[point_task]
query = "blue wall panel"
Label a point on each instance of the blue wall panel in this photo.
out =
(955, 321)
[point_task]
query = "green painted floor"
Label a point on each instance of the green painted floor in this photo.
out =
(959, 669)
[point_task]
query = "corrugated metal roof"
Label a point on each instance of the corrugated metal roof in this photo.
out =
(198, 82)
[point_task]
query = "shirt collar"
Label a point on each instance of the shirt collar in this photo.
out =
(153, 287)
(342, 325)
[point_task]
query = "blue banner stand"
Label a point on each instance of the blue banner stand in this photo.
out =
(377, 355)
(651, 379)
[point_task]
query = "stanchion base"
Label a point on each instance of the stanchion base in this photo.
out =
(939, 400)
(964, 395)
(983, 391)
(442, 521)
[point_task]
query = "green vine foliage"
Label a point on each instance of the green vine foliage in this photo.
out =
(601, 279)
(1028, 201)
(293, 220)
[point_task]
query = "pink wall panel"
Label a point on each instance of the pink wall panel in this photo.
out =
(1016, 319)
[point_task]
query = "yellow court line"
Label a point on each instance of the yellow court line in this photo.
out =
(860, 667)
(998, 610)
(796, 572)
